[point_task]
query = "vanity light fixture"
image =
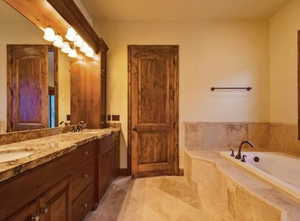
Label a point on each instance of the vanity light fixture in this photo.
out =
(89, 52)
(58, 42)
(71, 34)
(78, 41)
(73, 53)
(49, 34)
(84, 47)
(66, 48)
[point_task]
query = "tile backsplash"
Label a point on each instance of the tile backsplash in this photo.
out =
(2, 127)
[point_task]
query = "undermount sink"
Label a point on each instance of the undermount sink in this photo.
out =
(6, 156)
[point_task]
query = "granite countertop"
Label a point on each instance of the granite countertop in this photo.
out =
(251, 183)
(45, 149)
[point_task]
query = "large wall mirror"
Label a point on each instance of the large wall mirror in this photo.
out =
(34, 76)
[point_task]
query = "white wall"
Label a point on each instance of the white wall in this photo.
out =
(211, 54)
(284, 27)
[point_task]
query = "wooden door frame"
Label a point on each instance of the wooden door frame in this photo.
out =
(53, 49)
(176, 135)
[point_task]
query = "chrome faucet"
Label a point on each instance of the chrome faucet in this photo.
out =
(78, 127)
(239, 154)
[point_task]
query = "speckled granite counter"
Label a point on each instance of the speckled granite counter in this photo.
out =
(230, 193)
(46, 149)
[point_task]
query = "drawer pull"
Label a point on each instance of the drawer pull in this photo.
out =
(35, 218)
(44, 210)
(86, 153)
(85, 205)
(85, 176)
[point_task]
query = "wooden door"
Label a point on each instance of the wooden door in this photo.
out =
(153, 110)
(55, 204)
(27, 68)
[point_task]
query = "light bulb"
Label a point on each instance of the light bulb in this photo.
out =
(49, 34)
(73, 53)
(78, 41)
(58, 42)
(71, 34)
(66, 48)
(89, 52)
(84, 47)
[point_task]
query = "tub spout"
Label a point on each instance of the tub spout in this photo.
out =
(239, 154)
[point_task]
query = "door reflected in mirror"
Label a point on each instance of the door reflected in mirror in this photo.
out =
(34, 76)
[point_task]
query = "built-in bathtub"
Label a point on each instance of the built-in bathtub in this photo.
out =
(281, 170)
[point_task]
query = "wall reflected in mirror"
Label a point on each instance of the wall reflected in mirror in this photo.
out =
(34, 76)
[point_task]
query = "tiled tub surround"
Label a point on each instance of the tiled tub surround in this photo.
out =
(2, 127)
(221, 136)
(230, 193)
(46, 149)
(274, 137)
(284, 138)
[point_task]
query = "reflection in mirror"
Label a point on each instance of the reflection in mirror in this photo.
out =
(34, 76)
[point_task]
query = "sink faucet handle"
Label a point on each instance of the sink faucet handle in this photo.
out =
(232, 152)
(244, 158)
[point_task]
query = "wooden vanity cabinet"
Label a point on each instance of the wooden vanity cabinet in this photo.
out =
(108, 162)
(51, 206)
(54, 204)
(27, 213)
(66, 188)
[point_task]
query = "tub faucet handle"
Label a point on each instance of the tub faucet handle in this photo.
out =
(232, 153)
(244, 158)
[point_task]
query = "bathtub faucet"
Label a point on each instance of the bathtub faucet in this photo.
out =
(239, 154)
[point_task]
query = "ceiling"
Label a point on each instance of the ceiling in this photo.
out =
(181, 10)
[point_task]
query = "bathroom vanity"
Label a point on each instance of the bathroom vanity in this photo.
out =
(63, 183)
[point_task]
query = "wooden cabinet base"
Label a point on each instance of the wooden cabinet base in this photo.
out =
(65, 189)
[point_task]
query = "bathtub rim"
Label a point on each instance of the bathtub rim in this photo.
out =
(274, 181)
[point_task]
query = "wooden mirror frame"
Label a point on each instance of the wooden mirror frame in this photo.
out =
(60, 15)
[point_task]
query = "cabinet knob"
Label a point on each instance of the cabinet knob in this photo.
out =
(85, 205)
(44, 210)
(86, 153)
(85, 176)
(35, 218)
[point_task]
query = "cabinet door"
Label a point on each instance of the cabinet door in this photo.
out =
(28, 213)
(55, 204)
(106, 163)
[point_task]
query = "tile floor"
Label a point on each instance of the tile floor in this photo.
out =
(159, 199)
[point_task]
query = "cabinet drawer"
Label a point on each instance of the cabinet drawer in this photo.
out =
(82, 178)
(85, 153)
(83, 204)
(106, 144)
